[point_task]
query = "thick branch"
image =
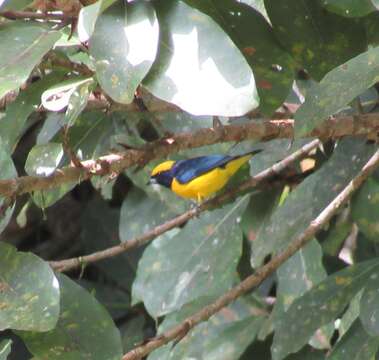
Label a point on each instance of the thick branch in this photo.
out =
(262, 273)
(69, 264)
(255, 130)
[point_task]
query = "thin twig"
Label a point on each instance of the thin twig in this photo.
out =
(262, 273)
(69, 264)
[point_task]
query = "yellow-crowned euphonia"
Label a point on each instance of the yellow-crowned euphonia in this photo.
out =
(200, 177)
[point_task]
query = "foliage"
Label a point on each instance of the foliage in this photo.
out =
(82, 82)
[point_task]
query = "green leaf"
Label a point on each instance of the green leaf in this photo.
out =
(43, 160)
(5, 349)
(299, 274)
(196, 58)
(78, 101)
(356, 344)
(88, 16)
(8, 171)
(132, 224)
(133, 332)
(272, 66)
(124, 45)
(14, 4)
(365, 210)
(224, 336)
(317, 39)
(59, 96)
(84, 329)
(319, 306)
(369, 306)
(29, 296)
(22, 45)
(350, 315)
(307, 200)
(348, 81)
(17, 112)
(349, 8)
(175, 270)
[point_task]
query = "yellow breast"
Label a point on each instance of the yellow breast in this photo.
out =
(209, 183)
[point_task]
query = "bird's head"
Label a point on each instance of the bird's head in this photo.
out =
(162, 174)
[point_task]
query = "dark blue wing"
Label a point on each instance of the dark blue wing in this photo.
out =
(186, 170)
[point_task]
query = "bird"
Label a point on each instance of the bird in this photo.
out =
(200, 177)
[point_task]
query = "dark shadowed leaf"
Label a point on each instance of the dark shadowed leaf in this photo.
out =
(84, 329)
(356, 344)
(133, 332)
(5, 349)
(272, 66)
(319, 306)
(198, 67)
(154, 212)
(100, 231)
(350, 315)
(365, 209)
(349, 8)
(199, 260)
(29, 296)
(306, 201)
(316, 38)
(22, 46)
(8, 171)
(224, 336)
(348, 81)
(124, 45)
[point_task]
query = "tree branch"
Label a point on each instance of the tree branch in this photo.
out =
(69, 264)
(368, 125)
(13, 15)
(262, 273)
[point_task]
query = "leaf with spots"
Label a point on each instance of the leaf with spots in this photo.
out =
(124, 45)
(356, 344)
(199, 68)
(22, 46)
(350, 8)
(249, 30)
(224, 336)
(369, 306)
(297, 275)
(5, 349)
(8, 171)
(84, 329)
(200, 259)
(29, 291)
(309, 198)
(365, 209)
(317, 39)
(319, 306)
(348, 80)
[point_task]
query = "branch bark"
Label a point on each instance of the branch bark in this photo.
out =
(262, 273)
(368, 125)
(13, 15)
(68, 264)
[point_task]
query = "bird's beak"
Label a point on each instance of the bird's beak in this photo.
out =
(152, 181)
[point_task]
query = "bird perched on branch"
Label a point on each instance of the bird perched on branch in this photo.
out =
(200, 177)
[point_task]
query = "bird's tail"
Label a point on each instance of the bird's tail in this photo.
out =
(239, 160)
